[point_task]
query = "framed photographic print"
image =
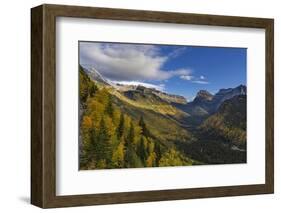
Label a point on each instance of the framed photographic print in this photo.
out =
(137, 106)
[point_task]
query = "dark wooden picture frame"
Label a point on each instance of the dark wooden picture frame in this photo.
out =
(43, 105)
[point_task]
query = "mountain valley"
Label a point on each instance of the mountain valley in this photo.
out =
(129, 126)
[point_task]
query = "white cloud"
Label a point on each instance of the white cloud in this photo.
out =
(200, 82)
(186, 77)
(160, 87)
(126, 62)
(177, 52)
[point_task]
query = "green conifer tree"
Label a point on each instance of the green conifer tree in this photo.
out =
(120, 128)
(129, 149)
(158, 153)
(92, 89)
(103, 148)
(141, 151)
(142, 124)
(131, 134)
(89, 149)
(109, 107)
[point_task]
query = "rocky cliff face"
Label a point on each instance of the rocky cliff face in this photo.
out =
(203, 96)
(205, 104)
(94, 75)
(169, 98)
(225, 94)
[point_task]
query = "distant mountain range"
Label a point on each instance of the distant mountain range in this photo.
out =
(205, 104)
(202, 128)
(203, 98)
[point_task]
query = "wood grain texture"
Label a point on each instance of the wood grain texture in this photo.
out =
(36, 106)
(43, 105)
(269, 118)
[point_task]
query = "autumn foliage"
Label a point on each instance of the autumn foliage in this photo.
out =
(110, 138)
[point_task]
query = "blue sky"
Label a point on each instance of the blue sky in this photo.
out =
(181, 70)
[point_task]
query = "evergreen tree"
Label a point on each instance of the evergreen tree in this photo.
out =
(120, 128)
(141, 151)
(92, 89)
(109, 107)
(131, 134)
(129, 149)
(142, 124)
(157, 150)
(104, 150)
(128, 155)
(89, 149)
(92, 145)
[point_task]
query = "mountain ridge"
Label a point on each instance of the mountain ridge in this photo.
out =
(201, 96)
(95, 75)
(203, 105)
